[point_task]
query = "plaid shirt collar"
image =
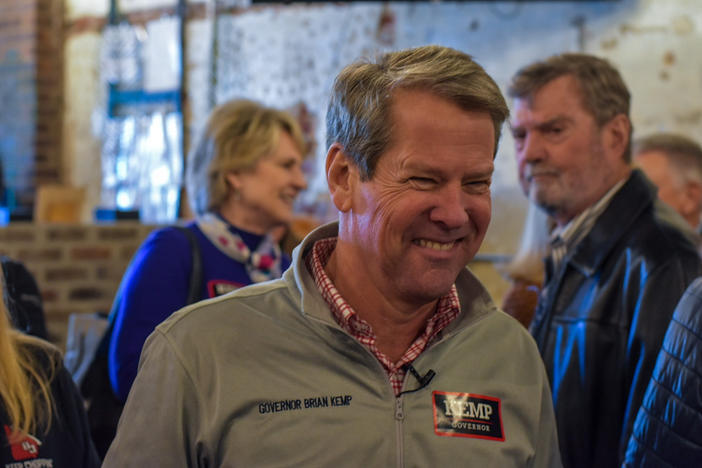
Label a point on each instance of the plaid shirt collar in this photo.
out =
(447, 309)
(565, 238)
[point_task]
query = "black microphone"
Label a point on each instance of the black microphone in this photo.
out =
(422, 379)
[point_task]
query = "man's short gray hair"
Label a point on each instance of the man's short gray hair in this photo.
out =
(358, 116)
(683, 153)
(604, 94)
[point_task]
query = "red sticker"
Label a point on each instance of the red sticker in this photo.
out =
(25, 448)
(467, 415)
(217, 288)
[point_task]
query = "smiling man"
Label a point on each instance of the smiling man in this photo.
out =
(617, 266)
(377, 347)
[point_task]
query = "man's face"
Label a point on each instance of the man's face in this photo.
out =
(565, 164)
(672, 188)
(423, 215)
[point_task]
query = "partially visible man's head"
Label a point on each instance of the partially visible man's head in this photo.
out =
(572, 131)
(673, 162)
(603, 93)
(358, 116)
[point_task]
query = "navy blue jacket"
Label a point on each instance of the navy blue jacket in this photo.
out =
(156, 285)
(668, 428)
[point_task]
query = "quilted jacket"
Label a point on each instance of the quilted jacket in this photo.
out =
(668, 428)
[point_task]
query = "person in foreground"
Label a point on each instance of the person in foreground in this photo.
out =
(666, 430)
(377, 347)
(243, 176)
(617, 266)
(41, 411)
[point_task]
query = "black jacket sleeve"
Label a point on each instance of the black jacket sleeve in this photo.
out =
(72, 421)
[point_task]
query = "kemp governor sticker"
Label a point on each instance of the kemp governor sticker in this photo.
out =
(467, 415)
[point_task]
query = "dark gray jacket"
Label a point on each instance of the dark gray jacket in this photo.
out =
(601, 319)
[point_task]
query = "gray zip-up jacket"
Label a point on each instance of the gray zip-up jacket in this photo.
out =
(265, 377)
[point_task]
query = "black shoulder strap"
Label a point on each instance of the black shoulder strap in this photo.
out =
(196, 273)
(194, 289)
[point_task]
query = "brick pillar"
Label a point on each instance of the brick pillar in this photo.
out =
(49, 86)
(31, 90)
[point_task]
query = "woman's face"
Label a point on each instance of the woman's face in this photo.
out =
(262, 197)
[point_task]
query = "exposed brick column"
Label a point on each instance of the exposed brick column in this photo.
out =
(49, 85)
(18, 92)
(31, 92)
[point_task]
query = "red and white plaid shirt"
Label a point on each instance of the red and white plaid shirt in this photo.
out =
(447, 309)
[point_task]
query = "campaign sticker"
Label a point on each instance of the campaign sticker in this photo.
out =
(24, 448)
(216, 287)
(467, 415)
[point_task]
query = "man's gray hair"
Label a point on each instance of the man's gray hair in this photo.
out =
(358, 116)
(683, 153)
(604, 94)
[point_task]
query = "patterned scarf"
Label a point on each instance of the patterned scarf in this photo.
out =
(262, 264)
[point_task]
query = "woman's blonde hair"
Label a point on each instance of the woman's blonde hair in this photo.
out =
(528, 263)
(237, 134)
(25, 380)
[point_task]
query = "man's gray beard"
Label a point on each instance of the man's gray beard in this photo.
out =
(545, 207)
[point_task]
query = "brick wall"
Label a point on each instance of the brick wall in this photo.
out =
(49, 88)
(17, 91)
(78, 267)
(31, 92)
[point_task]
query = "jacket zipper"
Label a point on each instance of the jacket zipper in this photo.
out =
(399, 419)
(399, 408)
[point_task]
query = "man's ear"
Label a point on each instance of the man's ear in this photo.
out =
(618, 131)
(693, 196)
(341, 175)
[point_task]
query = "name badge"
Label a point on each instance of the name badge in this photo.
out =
(467, 415)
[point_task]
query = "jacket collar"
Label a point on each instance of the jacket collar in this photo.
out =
(636, 195)
(475, 300)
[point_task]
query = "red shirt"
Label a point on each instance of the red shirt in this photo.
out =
(447, 309)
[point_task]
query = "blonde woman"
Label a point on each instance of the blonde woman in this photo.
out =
(41, 412)
(243, 176)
